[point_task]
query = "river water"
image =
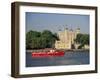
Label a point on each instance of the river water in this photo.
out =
(70, 58)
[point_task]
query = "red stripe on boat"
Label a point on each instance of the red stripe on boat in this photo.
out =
(47, 54)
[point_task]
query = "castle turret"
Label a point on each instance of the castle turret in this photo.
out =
(77, 30)
(66, 35)
(66, 29)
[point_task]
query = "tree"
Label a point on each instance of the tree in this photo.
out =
(82, 39)
(50, 38)
(38, 40)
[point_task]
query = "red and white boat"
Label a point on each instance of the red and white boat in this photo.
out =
(48, 54)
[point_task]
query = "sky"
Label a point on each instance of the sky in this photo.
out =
(55, 22)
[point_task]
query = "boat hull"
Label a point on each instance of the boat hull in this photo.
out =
(47, 54)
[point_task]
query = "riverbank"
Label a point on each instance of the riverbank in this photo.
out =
(65, 50)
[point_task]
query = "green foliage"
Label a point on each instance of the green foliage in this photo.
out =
(40, 40)
(82, 39)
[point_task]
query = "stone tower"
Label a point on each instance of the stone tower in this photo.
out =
(66, 38)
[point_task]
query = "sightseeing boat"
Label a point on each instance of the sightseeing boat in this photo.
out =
(48, 53)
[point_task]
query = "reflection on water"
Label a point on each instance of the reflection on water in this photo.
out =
(70, 58)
